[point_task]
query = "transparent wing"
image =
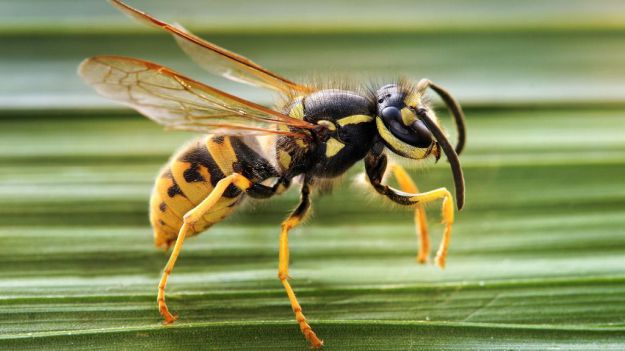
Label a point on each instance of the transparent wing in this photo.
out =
(179, 102)
(216, 59)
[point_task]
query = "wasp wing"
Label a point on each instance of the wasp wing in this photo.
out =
(216, 59)
(178, 102)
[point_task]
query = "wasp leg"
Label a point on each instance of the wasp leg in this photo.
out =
(190, 218)
(283, 265)
(421, 223)
(375, 165)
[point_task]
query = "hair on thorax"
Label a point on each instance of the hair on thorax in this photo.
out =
(368, 89)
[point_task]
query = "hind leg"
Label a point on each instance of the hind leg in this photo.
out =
(283, 266)
(194, 216)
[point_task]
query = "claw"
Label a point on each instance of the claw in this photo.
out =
(422, 258)
(170, 319)
(440, 262)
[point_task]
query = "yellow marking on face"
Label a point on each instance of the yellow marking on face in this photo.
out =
(407, 116)
(354, 119)
(399, 146)
(333, 146)
(327, 124)
(284, 158)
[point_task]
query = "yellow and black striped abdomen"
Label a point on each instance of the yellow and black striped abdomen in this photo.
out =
(191, 175)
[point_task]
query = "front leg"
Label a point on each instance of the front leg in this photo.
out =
(376, 164)
(420, 218)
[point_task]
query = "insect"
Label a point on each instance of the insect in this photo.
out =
(253, 151)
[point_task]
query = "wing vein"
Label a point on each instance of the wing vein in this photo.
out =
(178, 102)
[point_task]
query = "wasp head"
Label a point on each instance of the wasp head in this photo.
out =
(410, 129)
(399, 126)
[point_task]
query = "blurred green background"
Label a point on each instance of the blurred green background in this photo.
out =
(537, 259)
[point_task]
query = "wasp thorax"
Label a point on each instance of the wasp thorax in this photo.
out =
(399, 126)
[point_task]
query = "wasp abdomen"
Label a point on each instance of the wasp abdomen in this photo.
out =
(191, 175)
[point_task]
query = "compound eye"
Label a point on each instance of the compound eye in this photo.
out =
(422, 134)
(391, 113)
(416, 133)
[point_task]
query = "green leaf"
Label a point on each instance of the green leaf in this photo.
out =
(536, 259)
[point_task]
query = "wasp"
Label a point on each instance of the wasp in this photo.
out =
(253, 151)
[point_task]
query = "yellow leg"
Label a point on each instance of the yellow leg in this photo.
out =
(421, 223)
(283, 267)
(447, 212)
(190, 218)
(376, 165)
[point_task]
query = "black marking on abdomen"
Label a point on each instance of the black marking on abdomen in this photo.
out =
(174, 190)
(250, 163)
(192, 174)
(162, 206)
(199, 156)
(232, 191)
